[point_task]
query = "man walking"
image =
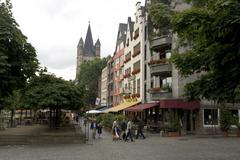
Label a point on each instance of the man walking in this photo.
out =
(93, 127)
(129, 131)
(140, 128)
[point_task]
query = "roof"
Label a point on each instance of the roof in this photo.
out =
(131, 25)
(122, 30)
(80, 43)
(122, 106)
(98, 43)
(141, 107)
(88, 46)
(179, 104)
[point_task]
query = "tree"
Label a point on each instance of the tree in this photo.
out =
(90, 72)
(211, 30)
(13, 102)
(48, 91)
(160, 14)
(18, 60)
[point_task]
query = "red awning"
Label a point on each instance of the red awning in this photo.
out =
(141, 107)
(179, 104)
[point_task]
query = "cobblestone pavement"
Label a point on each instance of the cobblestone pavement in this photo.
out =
(152, 148)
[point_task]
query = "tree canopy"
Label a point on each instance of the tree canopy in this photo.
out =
(18, 60)
(211, 29)
(90, 72)
(48, 91)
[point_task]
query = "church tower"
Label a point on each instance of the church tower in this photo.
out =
(86, 51)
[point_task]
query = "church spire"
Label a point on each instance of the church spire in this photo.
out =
(88, 46)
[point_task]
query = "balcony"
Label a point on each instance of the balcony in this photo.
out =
(162, 69)
(127, 75)
(136, 71)
(160, 93)
(161, 42)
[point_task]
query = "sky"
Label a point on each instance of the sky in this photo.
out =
(54, 28)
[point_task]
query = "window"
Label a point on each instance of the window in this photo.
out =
(134, 87)
(145, 33)
(136, 65)
(138, 86)
(145, 72)
(136, 50)
(145, 52)
(210, 117)
(145, 92)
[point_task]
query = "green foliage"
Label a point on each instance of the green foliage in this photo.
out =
(160, 16)
(173, 121)
(18, 60)
(48, 91)
(90, 72)
(108, 118)
(226, 119)
(213, 36)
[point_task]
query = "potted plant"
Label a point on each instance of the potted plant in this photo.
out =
(225, 120)
(237, 123)
(173, 128)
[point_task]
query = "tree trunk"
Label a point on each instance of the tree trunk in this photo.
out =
(50, 118)
(57, 119)
(21, 116)
(12, 115)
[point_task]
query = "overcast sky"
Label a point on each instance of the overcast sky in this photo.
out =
(54, 28)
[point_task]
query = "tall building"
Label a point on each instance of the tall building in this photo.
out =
(118, 64)
(133, 55)
(104, 86)
(86, 50)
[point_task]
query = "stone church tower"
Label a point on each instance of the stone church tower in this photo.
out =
(86, 51)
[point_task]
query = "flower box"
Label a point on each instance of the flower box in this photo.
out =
(136, 71)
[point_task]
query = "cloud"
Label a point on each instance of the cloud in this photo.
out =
(54, 27)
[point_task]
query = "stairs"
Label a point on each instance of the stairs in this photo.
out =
(14, 140)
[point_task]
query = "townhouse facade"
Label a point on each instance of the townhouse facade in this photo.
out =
(150, 78)
(133, 63)
(118, 65)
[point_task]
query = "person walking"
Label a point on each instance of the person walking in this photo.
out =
(140, 128)
(129, 131)
(99, 129)
(123, 129)
(93, 127)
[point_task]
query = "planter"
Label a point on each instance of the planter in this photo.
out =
(238, 133)
(225, 133)
(171, 134)
(136, 71)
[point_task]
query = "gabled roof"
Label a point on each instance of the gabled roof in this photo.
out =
(131, 25)
(89, 49)
(122, 30)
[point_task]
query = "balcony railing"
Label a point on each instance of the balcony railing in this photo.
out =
(136, 52)
(162, 41)
(161, 69)
(160, 93)
(127, 59)
(135, 71)
(127, 75)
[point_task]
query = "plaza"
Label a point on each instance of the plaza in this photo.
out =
(152, 148)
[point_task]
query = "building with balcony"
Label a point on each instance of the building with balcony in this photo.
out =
(133, 62)
(118, 65)
(110, 83)
(104, 86)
